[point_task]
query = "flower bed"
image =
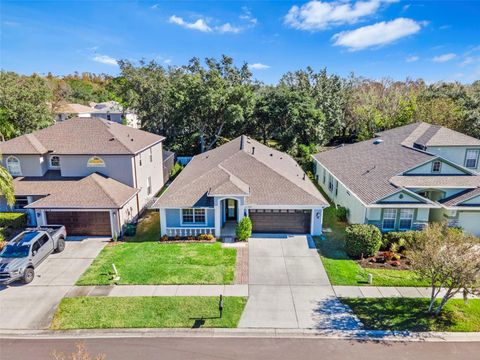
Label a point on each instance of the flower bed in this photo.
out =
(202, 238)
(386, 260)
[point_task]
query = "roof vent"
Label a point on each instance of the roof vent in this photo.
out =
(271, 154)
(111, 139)
(377, 141)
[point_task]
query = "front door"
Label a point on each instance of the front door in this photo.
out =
(231, 209)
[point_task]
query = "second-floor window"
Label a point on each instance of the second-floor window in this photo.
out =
(95, 161)
(149, 185)
(436, 166)
(151, 155)
(471, 158)
(13, 166)
(330, 182)
(140, 159)
(55, 161)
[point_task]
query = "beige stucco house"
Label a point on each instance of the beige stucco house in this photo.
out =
(90, 174)
(406, 177)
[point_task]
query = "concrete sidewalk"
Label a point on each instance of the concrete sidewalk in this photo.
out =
(387, 292)
(159, 290)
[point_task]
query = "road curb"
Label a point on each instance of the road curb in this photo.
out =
(360, 335)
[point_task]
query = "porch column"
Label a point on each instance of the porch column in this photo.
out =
(218, 218)
(163, 222)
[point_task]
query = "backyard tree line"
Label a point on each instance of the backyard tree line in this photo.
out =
(205, 103)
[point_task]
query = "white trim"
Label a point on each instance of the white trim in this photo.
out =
(409, 192)
(50, 162)
(19, 163)
(286, 207)
(193, 224)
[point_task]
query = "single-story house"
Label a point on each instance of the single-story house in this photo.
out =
(241, 178)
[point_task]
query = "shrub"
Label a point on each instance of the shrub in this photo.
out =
(341, 214)
(14, 220)
(208, 237)
(401, 238)
(164, 238)
(244, 229)
(362, 240)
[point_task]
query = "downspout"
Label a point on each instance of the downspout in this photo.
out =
(136, 185)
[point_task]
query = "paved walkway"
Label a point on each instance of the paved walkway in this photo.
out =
(289, 288)
(387, 292)
(159, 290)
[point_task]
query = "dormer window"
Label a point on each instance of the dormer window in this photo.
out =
(13, 166)
(436, 166)
(55, 161)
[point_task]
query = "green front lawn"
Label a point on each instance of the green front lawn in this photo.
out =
(147, 312)
(342, 270)
(161, 263)
(410, 314)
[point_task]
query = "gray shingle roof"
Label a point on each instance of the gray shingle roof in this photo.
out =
(434, 135)
(272, 177)
(460, 181)
(92, 136)
(366, 168)
(92, 192)
(457, 199)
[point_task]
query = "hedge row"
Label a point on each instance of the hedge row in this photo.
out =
(14, 220)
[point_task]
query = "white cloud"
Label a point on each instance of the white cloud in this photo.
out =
(248, 17)
(200, 24)
(259, 66)
(412, 58)
(167, 61)
(105, 59)
(228, 28)
(154, 6)
(378, 34)
(318, 15)
(444, 58)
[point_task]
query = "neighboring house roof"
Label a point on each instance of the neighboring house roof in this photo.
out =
(372, 168)
(426, 135)
(77, 136)
(93, 191)
(111, 107)
(450, 181)
(366, 167)
(243, 167)
(73, 109)
(457, 199)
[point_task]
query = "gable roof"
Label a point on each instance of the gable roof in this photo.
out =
(93, 191)
(91, 136)
(450, 181)
(243, 167)
(70, 108)
(425, 135)
(366, 167)
(459, 198)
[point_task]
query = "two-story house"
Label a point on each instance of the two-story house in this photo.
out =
(406, 177)
(90, 174)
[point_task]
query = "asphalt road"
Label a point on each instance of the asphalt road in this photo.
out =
(240, 348)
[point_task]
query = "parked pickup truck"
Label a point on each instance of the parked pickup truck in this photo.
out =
(22, 255)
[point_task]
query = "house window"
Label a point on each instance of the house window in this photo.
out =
(140, 159)
(55, 161)
(406, 219)
(151, 155)
(436, 166)
(149, 185)
(389, 216)
(95, 161)
(13, 166)
(324, 175)
(193, 216)
(20, 202)
(108, 116)
(336, 187)
(471, 159)
(330, 182)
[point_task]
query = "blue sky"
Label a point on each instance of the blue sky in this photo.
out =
(434, 40)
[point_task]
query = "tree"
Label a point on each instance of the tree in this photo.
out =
(449, 259)
(6, 186)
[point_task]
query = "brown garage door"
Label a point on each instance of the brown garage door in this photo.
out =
(281, 221)
(82, 222)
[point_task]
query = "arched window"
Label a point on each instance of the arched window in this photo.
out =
(96, 161)
(13, 166)
(55, 161)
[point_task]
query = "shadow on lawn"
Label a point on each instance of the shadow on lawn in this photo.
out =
(199, 322)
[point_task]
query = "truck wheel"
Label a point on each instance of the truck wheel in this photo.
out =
(60, 245)
(28, 276)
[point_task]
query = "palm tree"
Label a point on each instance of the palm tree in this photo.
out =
(6, 186)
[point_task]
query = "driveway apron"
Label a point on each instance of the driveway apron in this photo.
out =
(289, 288)
(32, 306)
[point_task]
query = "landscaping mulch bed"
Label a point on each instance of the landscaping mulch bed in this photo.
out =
(384, 260)
(182, 241)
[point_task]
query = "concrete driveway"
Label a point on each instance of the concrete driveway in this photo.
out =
(289, 288)
(32, 306)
